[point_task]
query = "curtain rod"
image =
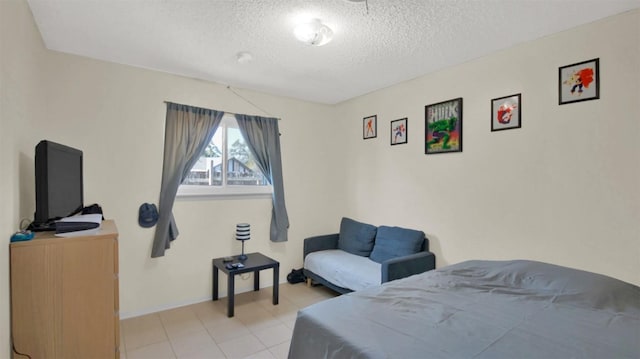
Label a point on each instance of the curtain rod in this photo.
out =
(227, 112)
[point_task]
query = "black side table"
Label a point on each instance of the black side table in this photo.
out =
(255, 262)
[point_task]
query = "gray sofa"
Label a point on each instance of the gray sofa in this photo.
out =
(363, 255)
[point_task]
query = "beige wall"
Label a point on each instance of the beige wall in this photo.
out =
(561, 189)
(21, 54)
(565, 188)
(115, 114)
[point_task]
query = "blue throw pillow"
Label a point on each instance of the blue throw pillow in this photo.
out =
(392, 242)
(356, 237)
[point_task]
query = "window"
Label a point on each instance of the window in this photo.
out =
(226, 167)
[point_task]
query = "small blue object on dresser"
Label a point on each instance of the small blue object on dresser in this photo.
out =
(22, 236)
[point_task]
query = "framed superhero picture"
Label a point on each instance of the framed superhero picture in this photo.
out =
(370, 127)
(443, 127)
(579, 82)
(399, 131)
(506, 113)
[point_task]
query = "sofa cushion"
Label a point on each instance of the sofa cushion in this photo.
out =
(392, 242)
(344, 269)
(356, 237)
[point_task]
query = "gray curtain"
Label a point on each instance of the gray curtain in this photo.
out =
(188, 130)
(263, 140)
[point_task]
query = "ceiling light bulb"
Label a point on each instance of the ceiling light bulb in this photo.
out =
(306, 32)
(313, 33)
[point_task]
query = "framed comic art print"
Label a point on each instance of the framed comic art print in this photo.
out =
(370, 127)
(579, 82)
(399, 131)
(506, 113)
(443, 127)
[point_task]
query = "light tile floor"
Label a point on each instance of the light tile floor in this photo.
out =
(259, 329)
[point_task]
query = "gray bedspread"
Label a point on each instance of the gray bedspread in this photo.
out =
(478, 309)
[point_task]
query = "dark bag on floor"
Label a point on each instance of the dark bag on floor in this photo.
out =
(296, 276)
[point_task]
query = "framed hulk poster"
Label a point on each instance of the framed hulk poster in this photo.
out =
(443, 127)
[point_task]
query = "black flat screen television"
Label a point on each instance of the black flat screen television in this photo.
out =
(59, 184)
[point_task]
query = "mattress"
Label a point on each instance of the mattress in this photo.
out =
(477, 309)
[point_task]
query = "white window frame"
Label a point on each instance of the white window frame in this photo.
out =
(199, 191)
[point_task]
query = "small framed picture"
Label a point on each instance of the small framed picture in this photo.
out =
(506, 113)
(370, 127)
(399, 131)
(579, 82)
(443, 127)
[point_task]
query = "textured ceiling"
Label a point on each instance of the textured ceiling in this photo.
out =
(394, 41)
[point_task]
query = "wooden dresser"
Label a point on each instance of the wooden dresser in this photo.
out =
(64, 295)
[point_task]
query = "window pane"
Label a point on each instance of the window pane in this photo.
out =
(208, 170)
(241, 167)
(226, 167)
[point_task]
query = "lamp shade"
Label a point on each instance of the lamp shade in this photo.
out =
(243, 231)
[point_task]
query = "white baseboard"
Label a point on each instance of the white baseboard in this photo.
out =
(138, 313)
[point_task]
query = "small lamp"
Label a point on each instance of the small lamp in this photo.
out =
(243, 233)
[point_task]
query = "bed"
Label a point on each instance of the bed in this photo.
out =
(477, 309)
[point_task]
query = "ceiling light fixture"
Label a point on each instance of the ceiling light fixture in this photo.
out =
(313, 33)
(244, 57)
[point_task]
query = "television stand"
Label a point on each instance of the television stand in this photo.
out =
(64, 295)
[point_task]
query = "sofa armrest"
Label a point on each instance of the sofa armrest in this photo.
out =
(320, 243)
(405, 266)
